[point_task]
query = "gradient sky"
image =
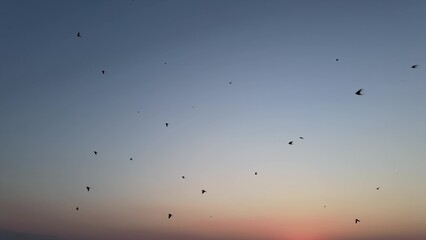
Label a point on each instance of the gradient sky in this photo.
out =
(56, 108)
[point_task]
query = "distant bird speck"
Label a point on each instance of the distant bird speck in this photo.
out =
(377, 188)
(103, 71)
(255, 173)
(183, 177)
(357, 221)
(290, 143)
(96, 153)
(337, 59)
(170, 215)
(78, 35)
(414, 66)
(88, 188)
(301, 137)
(229, 82)
(167, 124)
(203, 191)
(359, 92)
(131, 159)
(76, 208)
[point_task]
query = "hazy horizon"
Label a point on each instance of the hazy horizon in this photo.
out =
(236, 81)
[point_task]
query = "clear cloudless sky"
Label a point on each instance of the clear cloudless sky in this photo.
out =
(172, 61)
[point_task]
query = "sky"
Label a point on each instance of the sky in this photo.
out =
(236, 81)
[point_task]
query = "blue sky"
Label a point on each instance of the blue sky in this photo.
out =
(172, 61)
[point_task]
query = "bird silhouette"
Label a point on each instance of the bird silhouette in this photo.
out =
(377, 188)
(96, 153)
(167, 124)
(203, 191)
(414, 66)
(230, 82)
(301, 137)
(291, 142)
(78, 35)
(255, 173)
(103, 71)
(170, 215)
(337, 59)
(359, 92)
(131, 159)
(183, 177)
(88, 188)
(325, 206)
(76, 208)
(357, 221)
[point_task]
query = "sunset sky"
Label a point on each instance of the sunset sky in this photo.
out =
(172, 61)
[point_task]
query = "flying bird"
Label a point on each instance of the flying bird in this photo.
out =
(359, 92)
(357, 221)
(131, 159)
(255, 173)
(96, 153)
(170, 215)
(183, 177)
(167, 124)
(88, 188)
(76, 208)
(203, 191)
(325, 206)
(103, 71)
(377, 188)
(337, 59)
(301, 137)
(414, 66)
(291, 142)
(78, 35)
(230, 82)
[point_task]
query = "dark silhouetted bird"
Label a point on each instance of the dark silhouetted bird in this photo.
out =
(230, 82)
(203, 191)
(337, 59)
(170, 215)
(255, 173)
(301, 137)
(183, 177)
(88, 188)
(357, 221)
(291, 142)
(167, 124)
(96, 153)
(165, 62)
(359, 92)
(131, 159)
(78, 35)
(414, 66)
(377, 188)
(325, 206)
(103, 71)
(76, 208)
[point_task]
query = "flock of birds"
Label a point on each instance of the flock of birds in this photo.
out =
(203, 191)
